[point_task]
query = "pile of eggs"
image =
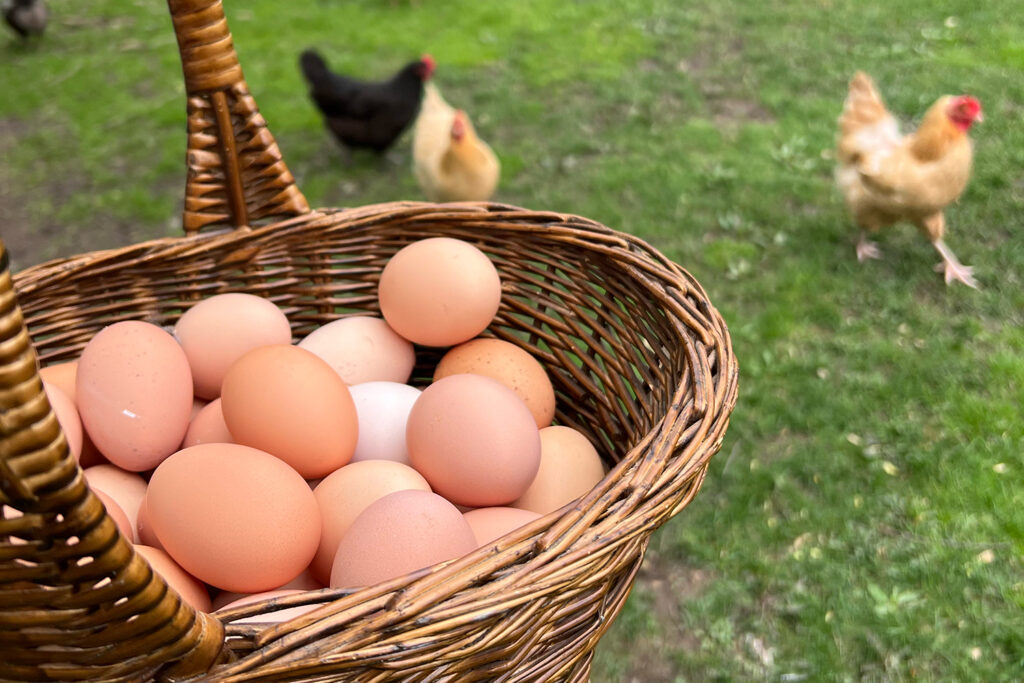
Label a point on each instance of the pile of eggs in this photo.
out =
(243, 465)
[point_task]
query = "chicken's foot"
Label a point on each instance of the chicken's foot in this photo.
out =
(951, 268)
(866, 248)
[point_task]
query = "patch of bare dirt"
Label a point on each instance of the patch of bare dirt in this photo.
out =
(669, 583)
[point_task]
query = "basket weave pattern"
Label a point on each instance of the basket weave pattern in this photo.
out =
(640, 361)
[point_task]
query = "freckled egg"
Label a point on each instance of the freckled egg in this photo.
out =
(474, 440)
(363, 349)
(439, 291)
(509, 364)
(383, 411)
(569, 468)
(234, 517)
(397, 534)
(134, 393)
(219, 330)
(343, 494)
(288, 402)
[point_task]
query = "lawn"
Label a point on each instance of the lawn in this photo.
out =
(865, 517)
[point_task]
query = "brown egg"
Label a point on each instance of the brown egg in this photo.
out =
(289, 402)
(569, 468)
(397, 534)
(234, 517)
(187, 586)
(134, 393)
(490, 524)
(343, 494)
(474, 440)
(127, 488)
(67, 415)
(62, 376)
(208, 426)
(439, 291)
(509, 364)
(218, 331)
(363, 349)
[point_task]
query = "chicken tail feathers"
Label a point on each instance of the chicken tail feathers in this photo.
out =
(863, 106)
(313, 66)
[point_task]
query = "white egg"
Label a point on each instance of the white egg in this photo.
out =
(383, 410)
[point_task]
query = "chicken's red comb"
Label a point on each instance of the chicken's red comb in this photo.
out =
(429, 64)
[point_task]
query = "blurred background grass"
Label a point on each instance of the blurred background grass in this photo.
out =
(864, 518)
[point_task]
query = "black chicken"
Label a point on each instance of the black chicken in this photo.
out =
(26, 17)
(362, 114)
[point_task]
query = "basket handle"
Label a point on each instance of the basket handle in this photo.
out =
(236, 174)
(69, 580)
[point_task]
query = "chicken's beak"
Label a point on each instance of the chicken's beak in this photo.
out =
(979, 118)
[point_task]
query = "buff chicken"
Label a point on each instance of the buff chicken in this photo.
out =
(887, 177)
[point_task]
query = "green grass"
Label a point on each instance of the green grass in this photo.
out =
(864, 518)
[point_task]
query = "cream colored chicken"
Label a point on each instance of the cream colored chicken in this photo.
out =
(451, 163)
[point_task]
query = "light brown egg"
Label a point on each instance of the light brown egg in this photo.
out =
(67, 415)
(569, 468)
(134, 393)
(474, 440)
(288, 402)
(187, 586)
(509, 364)
(208, 426)
(127, 488)
(363, 349)
(62, 376)
(397, 534)
(218, 331)
(144, 529)
(439, 291)
(302, 582)
(490, 524)
(343, 494)
(234, 517)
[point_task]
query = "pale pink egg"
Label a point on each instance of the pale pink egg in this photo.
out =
(144, 529)
(184, 584)
(288, 402)
(363, 349)
(273, 617)
(343, 494)
(134, 393)
(127, 488)
(439, 291)
(490, 524)
(397, 534)
(117, 514)
(217, 331)
(67, 415)
(474, 440)
(569, 468)
(208, 426)
(233, 516)
(62, 376)
(302, 582)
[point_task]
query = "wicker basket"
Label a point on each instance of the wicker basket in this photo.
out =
(640, 360)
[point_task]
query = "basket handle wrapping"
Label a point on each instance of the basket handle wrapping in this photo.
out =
(236, 174)
(69, 581)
